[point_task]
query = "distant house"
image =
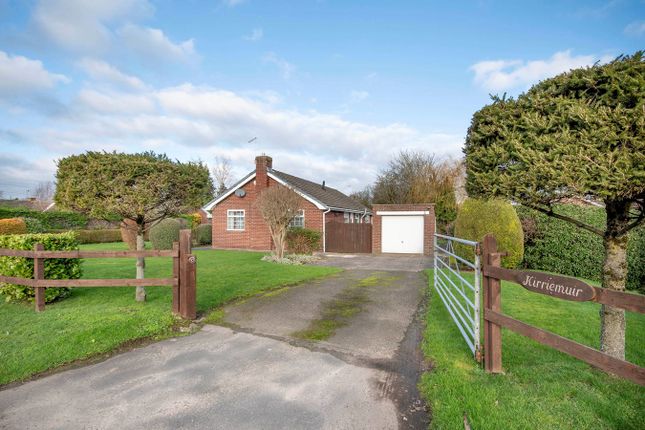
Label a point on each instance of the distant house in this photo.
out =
(237, 222)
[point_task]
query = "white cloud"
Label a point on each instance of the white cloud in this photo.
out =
(255, 35)
(115, 103)
(636, 28)
(20, 75)
(500, 75)
(84, 26)
(101, 71)
(358, 96)
(286, 69)
(153, 44)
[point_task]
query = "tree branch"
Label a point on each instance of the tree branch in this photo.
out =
(577, 223)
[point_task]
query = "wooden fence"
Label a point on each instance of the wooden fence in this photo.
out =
(556, 286)
(183, 280)
(352, 238)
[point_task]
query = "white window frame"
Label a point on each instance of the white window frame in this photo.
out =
(357, 218)
(301, 214)
(347, 217)
(230, 215)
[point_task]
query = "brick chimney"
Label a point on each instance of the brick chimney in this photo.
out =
(262, 163)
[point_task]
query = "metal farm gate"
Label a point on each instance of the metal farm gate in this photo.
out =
(457, 280)
(351, 238)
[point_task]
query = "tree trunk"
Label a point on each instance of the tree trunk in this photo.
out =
(614, 276)
(141, 265)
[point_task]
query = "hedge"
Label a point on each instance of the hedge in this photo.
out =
(164, 233)
(13, 226)
(51, 220)
(34, 225)
(303, 240)
(558, 246)
(99, 236)
(476, 218)
(204, 234)
(55, 268)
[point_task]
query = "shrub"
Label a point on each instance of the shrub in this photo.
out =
(303, 240)
(560, 247)
(476, 218)
(34, 225)
(191, 220)
(164, 233)
(13, 226)
(204, 234)
(55, 268)
(99, 236)
(51, 220)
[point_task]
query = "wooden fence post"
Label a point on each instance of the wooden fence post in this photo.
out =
(39, 273)
(492, 301)
(176, 275)
(187, 277)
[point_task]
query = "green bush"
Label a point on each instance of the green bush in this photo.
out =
(99, 236)
(34, 225)
(476, 218)
(164, 233)
(192, 220)
(204, 234)
(55, 268)
(558, 246)
(51, 220)
(303, 240)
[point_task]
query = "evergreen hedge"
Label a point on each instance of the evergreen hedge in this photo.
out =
(204, 234)
(55, 268)
(558, 246)
(476, 218)
(164, 233)
(51, 220)
(303, 241)
(99, 236)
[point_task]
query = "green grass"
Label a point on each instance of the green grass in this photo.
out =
(541, 388)
(97, 320)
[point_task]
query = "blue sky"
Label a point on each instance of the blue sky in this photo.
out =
(331, 89)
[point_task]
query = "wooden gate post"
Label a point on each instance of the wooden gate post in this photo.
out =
(187, 277)
(175, 275)
(39, 273)
(492, 301)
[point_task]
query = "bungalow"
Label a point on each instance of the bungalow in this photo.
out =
(237, 222)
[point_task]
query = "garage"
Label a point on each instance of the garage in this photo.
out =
(403, 229)
(402, 234)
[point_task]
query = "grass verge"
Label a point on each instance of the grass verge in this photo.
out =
(94, 321)
(541, 388)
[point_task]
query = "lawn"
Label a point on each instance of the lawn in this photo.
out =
(541, 388)
(93, 321)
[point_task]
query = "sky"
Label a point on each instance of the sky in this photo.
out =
(332, 90)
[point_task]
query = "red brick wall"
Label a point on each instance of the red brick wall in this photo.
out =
(428, 224)
(256, 233)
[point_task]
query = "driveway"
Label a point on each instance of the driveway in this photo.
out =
(395, 262)
(337, 353)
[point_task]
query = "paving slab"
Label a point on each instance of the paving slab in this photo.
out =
(215, 379)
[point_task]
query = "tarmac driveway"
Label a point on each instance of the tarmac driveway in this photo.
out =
(337, 353)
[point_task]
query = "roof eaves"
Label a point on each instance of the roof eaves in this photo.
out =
(210, 205)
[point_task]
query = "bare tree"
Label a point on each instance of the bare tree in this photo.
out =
(222, 174)
(278, 205)
(364, 196)
(44, 194)
(420, 177)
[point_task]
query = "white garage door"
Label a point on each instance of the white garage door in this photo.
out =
(402, 234)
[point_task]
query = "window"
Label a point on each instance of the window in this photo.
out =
(347, 217)
(235, 219)
(298, 221)
(357, 218)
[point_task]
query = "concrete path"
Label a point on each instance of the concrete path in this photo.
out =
(395, 262)
(260, 370)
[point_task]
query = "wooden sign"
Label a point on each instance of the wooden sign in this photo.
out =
(551, 285)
